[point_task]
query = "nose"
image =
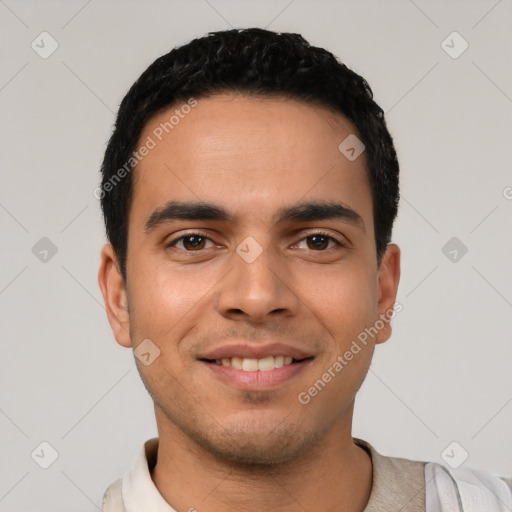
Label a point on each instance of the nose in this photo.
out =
(254, 291)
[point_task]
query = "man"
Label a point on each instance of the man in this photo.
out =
(249, 192)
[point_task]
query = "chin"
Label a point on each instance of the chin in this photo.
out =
(254, 445)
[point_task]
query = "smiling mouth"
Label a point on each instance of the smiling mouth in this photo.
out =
(252, 365)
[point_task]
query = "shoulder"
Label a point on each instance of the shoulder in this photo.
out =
(410, 486)
(466, 489)
(398, 484)
(113, 498)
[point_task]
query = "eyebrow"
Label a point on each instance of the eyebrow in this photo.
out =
(299, 212)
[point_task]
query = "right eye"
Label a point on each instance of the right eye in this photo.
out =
(192, 242)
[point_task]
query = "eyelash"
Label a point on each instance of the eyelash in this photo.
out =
(202, 235)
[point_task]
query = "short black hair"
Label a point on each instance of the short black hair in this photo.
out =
(250, 61)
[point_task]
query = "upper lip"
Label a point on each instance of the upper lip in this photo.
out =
(255, 351)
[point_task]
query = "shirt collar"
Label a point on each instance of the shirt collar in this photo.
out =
(139, 491)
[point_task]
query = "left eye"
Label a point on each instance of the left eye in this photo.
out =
(320, 241)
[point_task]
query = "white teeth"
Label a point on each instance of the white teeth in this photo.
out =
(236, 362)
(266, 364)
(252, 365)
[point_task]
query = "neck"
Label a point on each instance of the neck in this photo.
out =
(334, 475)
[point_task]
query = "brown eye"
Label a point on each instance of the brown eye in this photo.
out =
(193, 242)
(190, 243)
(318, 242)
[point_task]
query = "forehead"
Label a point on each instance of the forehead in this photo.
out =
(251, 154)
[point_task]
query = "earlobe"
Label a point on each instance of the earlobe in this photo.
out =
(388, 280)
(114, 295)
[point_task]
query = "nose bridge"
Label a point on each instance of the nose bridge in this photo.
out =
(257, 284)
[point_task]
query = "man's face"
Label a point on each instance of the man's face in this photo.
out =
(309, 283)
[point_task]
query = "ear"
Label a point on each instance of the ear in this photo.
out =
(114, 295)
(388, 279)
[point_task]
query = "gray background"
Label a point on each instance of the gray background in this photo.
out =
(444, 376)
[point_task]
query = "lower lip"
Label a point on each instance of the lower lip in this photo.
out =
(258, 379)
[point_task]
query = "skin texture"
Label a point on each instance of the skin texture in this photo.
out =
(223, 448)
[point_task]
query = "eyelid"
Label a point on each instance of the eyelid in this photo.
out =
(340, 240)
(192, 232)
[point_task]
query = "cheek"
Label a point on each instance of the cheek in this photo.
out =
(163, 297)
(344, 301)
